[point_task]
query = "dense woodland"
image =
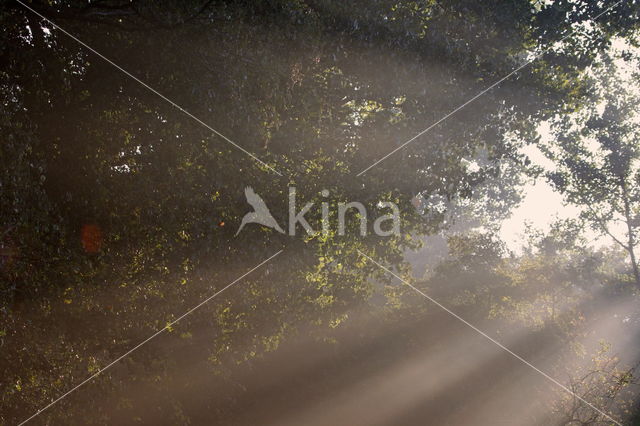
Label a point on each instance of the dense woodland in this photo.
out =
(118, 212)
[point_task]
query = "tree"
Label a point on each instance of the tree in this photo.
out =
(596, 154)
(605, 383)
(318, 89)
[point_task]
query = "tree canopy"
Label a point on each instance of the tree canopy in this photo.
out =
(118, 210)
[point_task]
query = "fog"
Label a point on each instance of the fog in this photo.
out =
(155, 268)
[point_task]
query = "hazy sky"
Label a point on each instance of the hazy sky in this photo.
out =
(541, 205)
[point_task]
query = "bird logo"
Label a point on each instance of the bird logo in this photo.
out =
(261, 213)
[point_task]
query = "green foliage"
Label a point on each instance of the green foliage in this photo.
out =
(118, 211)
(596, 153)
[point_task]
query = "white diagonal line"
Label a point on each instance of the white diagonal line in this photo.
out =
(534, 58)
(151, 89)
(166, 327)
(500, 345)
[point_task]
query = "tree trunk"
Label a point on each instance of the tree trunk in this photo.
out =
(630, 234)
(634, 264)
